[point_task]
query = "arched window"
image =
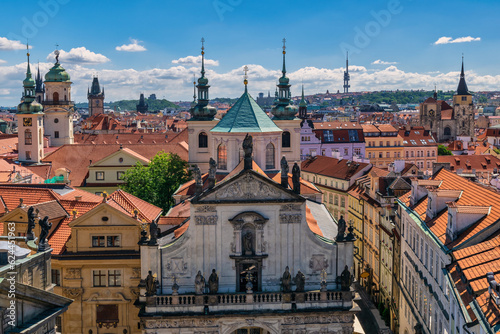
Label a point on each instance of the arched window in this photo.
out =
(222, 157)
(447, 131)
(202, 140)
(269, 156)
(55, 97)
(285, 139)
(28, 137)
(40, 137)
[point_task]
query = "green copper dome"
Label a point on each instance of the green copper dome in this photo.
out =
(29, 82)
(57, 74)
(27, 107)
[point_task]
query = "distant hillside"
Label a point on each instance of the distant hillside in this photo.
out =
(154, 105)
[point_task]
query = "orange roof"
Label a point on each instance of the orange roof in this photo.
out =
(306, 187)
(447, 114)
(340, 169)
(129, 203)
(8, 144)
(312, 222)
(78, 157)
(11, 195)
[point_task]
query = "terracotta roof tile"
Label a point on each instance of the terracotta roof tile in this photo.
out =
(129, 203)
(326, 166)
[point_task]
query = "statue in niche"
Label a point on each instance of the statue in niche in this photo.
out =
(213, 282)
(45, 227)
(199, 283)
(341, 229)
(296, 178)
(248, 243)
(31, 224)
(286, 280)
(300, 282)
(345, 279)
(151, 284)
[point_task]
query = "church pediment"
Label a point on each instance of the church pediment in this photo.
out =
(248, 186)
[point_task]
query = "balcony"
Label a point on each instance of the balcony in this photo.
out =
(249, 302)
(58, 103)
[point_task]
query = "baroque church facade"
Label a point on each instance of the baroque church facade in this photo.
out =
(258, 253)
(447, 122)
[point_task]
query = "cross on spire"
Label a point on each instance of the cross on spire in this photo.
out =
(245, 81)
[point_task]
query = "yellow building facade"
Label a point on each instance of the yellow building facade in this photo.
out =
(383, 144)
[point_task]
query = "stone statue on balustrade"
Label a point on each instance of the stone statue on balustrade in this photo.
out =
(45, 228)
(153, 233)
(199, 284)
(345, 279)
(300, 282)
(151, 284)
(341, 229)
(31, 223)
(286, 280)
(296, 178)
(213, 282)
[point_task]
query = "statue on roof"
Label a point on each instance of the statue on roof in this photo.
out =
(31, 224)
(248, 148)
(198, 182)
(45, 228)
(345, 279)
(300, 282)
(284, 172)
(296, 178)
(151, 284)
(212, 169)
(341, 229)
(153, 233)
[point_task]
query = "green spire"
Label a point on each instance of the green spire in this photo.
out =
(202, 111)
(28, 104)
(283, 108)
(303, 100)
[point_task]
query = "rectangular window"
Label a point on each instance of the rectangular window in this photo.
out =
(56, 134)
(98, 241)
(28, 137)
(56, 277)
(114, 278)
(99, 176)
(28, 155)
(431, 262)
(328, 136)
(99, 278)
(380, 154)
(113, 241)
(388, 154)
(346, 151)
(119, 175)
(426, 255)
(357, 151)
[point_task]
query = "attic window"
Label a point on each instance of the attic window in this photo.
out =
(120, 160)
(105, 219)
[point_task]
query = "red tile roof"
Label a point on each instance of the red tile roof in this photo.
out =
(129, 203)
(340, 169)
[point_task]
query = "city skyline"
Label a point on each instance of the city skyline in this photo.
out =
(156, 47)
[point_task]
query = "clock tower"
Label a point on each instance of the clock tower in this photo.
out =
(58, 106)
(30, 123)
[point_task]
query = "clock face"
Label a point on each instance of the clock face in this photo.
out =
(431, 112)
(27, 121)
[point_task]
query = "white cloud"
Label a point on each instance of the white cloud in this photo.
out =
(7, 44)
(195, 61)
(381, 62)
(450, 40)
(176, 82)
(79, 56)
(2, 61)
(133, 47)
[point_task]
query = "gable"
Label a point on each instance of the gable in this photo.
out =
(248, 186)
(122, 157)
(103, 216)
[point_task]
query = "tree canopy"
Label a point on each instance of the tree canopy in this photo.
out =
(157, 182)
(443, 150)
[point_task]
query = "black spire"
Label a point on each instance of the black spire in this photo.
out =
(202, 110)
(40, 87)
(96, 88)
(347, 77)
(462, 86)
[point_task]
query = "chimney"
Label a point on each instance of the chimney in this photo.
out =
(78, 198)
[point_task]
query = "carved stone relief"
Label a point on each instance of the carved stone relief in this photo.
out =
(206, 220)
(177, 266)
(248, 188)
(290, 218)
(73, 273)
(72, 293)
(318, 262)
(136, 273)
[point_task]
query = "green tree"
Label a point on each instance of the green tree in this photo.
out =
(157, 182)
(443, 150)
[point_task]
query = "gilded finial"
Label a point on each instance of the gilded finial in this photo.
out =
(284, 45)
(245, 81)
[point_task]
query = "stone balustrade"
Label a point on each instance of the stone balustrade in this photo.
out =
(249, 301)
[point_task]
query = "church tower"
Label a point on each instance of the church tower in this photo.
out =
(201, 145)
(58, 106)
(40, 87)
(96, 98)
(284, 117)
(303, 106)
(463, 108)
(30, 123)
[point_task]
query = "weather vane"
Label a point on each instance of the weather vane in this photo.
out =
(56, 52)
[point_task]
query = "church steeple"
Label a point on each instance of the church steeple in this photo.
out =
(28, 104)
(202, 110)
(303, 106)
(283, 109)
(462, 86)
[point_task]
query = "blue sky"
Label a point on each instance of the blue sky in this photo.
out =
(401, 35)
